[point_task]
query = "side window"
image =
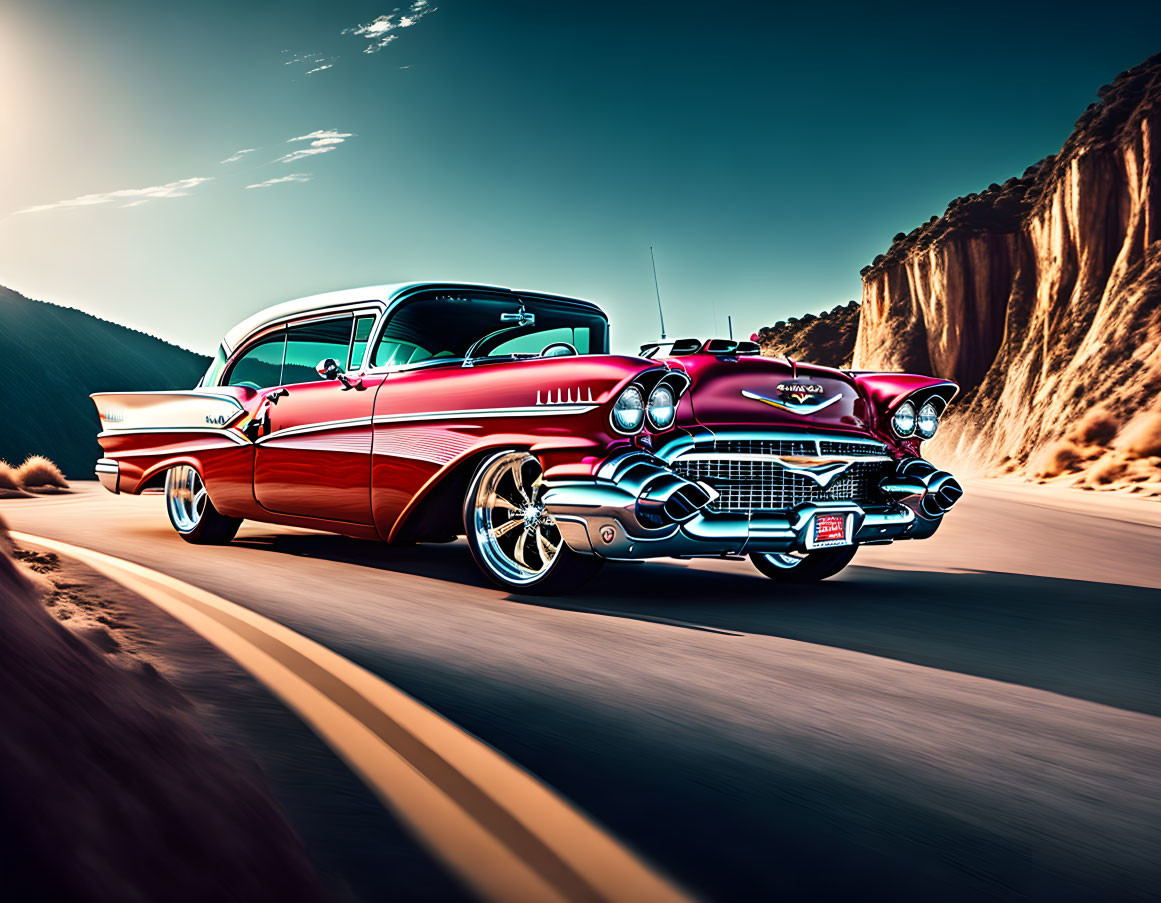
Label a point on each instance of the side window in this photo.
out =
(359, 344)
(260, 365)
(310, 343)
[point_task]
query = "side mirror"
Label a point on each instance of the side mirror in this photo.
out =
(330, 369)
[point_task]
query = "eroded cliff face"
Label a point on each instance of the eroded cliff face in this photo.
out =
(827, 339)
(1042, 299)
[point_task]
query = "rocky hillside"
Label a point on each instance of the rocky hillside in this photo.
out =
(828, 338)
(1042, 298)
(53, 358)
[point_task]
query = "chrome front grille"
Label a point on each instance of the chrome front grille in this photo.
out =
(748, 478)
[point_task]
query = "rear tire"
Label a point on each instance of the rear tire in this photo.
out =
(513, 539)
(803, 567)
(191, 512)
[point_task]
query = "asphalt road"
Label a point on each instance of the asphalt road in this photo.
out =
(975, 715)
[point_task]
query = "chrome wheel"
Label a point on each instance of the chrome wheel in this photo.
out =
(517, 539)
(185, 495)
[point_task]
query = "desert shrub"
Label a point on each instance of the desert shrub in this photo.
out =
(37, 472)
(1097, 427)
(1055, 459)
(1142, 437)
(9, 477)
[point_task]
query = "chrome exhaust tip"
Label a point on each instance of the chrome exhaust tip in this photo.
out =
(937, 491)
(669, 499)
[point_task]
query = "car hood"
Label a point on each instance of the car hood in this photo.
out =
(765, 391)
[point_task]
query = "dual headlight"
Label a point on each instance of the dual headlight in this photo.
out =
(906, 422)
(631, 410)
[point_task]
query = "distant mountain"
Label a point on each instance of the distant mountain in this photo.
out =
(53, 357)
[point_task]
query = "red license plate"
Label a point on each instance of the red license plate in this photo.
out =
(829, 530)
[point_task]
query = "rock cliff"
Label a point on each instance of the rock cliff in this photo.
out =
(1041, 297)
(828, 338)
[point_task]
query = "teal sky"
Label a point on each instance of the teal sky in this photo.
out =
(766, 152)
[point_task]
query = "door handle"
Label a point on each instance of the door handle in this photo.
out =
(274, 396)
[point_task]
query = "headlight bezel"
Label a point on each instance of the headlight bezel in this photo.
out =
(650, 404)
(903, 409)
(617, 426)
(919, 418)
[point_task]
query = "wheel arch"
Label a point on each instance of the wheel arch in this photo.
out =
(436, 512)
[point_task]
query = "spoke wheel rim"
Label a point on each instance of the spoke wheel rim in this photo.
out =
(518, 540)
(786, 560)
(186, 497)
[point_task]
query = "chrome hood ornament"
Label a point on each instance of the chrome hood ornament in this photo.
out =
(799, 407)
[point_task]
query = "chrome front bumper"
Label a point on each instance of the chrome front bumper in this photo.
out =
(637, 507)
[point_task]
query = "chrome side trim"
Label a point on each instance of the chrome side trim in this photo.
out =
(176, 410)
(542, 411)
(219, 432)
(561, 398)
(349, 423)
(191, 392)
(800, 409)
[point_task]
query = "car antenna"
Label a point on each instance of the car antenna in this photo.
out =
(730, 321)
(657, 288)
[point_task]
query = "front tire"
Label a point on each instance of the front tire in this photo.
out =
(191, 512)
(514, 541)
(803, 567)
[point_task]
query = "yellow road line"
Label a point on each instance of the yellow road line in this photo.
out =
(507, 835)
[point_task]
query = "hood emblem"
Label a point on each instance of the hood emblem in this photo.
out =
(797, 398)
(800, 393)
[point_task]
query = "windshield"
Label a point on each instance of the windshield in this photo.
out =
(446, 326)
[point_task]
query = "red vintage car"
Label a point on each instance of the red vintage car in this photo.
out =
(422, 411)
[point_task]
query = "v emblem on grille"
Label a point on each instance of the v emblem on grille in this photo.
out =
(823, 471)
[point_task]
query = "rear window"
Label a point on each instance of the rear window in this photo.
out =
(260, 365)
(310, 344)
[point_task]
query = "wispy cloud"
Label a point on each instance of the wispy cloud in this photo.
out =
(133, 197)
(238, 155)
(382, 31)
(316, 62)
(321, 142)
(293, 177)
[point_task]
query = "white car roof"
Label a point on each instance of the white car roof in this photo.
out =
(312, 303)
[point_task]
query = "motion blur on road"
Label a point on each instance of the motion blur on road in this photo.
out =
(972, 716)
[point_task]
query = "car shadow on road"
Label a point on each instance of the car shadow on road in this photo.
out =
(1095, 641)
(1092, 641)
